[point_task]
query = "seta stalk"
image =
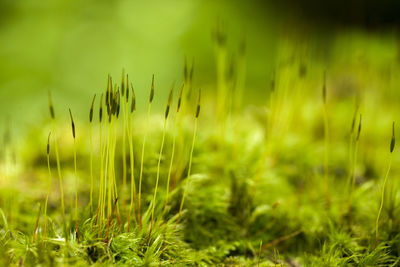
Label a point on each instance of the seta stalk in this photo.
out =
(91, 155)
(143, 148)
(190, 157)
(353, 175)
(53, 120)
(132, 161)
(160, 156)
(76, 176)
(49, 185)
(392, 144)
(172, 152)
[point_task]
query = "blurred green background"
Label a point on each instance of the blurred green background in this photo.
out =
(69, 47)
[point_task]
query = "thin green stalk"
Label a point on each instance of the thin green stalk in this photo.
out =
(353, 173)
(108, 162)
(99, 204)
(169, 173)
(76, 177)
(351, 161)
(91, 156)
(190, 158)
(133, 185)
(124, 151)
(158, 175)
(35, 233)
(91, 169)
(173, 151)
(115, 189)
(59, 171)
(124, 107)
(132, 162)
(381, 205)
(76, 193)
(189, 170)
(49, 186)
(53, 120)
(392, 144)
(159, 158)
(111, 172)
(102, 176)
(350, 170)
(143, 148)
(141, 165)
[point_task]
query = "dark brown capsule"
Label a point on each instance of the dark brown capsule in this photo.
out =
(110, 94)
(353, 125)
(51, 107)
(171, 93)
(113, 104)
(123, 83)
(48, 144)
(198, 105)
(393, 141)
(152, 90)
(107, 92)
(108, 109)
(118, 104)
(91, 109)
(359, 128)
(273, 82)
(219, 35)
(101, 108)
(180, 98)
(133, 104)
(127, 89)
(167, 112)
(72, 123)
(169, 101)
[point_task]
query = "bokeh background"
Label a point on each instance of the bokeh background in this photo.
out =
(69, 47)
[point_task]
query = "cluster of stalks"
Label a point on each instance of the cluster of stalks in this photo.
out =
(116, 119)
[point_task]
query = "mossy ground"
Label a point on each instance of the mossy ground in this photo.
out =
(256, 194)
